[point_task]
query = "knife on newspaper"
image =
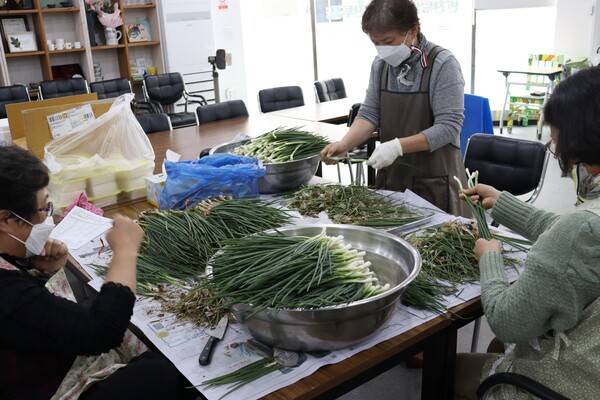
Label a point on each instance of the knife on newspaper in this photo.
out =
(215, 335)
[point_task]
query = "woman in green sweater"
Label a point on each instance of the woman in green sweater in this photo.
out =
(549, 319)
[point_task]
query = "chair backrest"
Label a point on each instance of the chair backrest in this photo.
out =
(515, 165)
(330, 89)
(220, 111)
(478, 119)
(62, 88)
(111, 88)
(154, 122)
(164, 88)
(280, 98)
(10, 95)
(353, 113)
(543, 61)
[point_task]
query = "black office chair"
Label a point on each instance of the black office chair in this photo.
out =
(221, 111)
(116, 87)
(330, 89)
(527, 384)
(111, 88)
(154, 122)
(62, 87)
(280, 98)
(167, 90)
(517, 166)
(10, 95)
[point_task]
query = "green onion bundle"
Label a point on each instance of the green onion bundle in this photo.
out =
(476, 207)
(356, 205)
(289, 272)
(447, 261)
(244, 375)
(178, 244)
(283, 144)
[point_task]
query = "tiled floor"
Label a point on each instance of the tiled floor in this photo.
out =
(401, 383)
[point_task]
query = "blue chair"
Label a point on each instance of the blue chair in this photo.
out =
(478, 119)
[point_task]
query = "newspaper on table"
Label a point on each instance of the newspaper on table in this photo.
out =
(182, 342)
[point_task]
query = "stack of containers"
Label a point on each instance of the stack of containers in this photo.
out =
(103, 183)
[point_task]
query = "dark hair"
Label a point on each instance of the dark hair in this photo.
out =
(573, 110)
(22, 175)
(389, 15)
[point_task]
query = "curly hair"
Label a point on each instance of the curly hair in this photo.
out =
(573, 111)
(22, 175)
(389, 15)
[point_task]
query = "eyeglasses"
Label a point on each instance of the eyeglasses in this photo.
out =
(551, 147)
(49, 209)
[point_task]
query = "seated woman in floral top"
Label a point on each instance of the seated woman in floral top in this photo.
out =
(51, 347)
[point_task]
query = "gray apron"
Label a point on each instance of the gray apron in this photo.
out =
(428, 174)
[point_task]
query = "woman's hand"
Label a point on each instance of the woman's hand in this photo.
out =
(126, 236)
(335, 149)
(483, 246)
(125, 239)
(52, 258)
(485, 193)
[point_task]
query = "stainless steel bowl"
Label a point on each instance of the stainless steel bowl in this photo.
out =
(394, 261)
(280, 177)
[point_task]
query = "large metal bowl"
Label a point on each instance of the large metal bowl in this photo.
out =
(394, 261)
(280, 177)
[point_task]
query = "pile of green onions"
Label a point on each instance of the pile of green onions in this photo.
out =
(355, 205)
(290, 272)
(283, 144)
(178, 244)
(447, 261)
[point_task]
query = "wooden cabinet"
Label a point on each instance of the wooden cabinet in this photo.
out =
(71, 24)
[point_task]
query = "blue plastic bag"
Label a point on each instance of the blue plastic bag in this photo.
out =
(189, 182)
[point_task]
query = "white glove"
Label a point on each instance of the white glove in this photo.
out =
(385, 154)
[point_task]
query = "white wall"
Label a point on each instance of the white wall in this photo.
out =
(595, 40)
(227, 30)
(574, 24)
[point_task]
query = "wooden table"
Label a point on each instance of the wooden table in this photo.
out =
(334, 112)
(437, 338)
(191, 140)
(549, 72)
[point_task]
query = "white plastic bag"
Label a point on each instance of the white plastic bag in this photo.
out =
(103, 157)
(115, 138)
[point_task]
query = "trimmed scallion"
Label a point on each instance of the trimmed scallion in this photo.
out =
(283, 144)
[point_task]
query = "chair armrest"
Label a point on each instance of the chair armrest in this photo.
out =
(521, 381)
(152, 107)
(193, 98)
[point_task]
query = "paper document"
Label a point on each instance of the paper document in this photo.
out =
(80, 227)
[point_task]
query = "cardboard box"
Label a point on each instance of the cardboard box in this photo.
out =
(154, 187)
(15, 118)
(37, 130)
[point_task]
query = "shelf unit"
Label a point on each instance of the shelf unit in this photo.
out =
(70, 23)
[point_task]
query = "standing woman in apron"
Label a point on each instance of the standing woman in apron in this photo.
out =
(416, 99)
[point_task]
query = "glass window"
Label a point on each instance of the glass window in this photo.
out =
(511, 48)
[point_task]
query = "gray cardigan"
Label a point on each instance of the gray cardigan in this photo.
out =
(446, 94)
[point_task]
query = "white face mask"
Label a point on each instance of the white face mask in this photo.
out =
(394, 55)
(40, 233)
